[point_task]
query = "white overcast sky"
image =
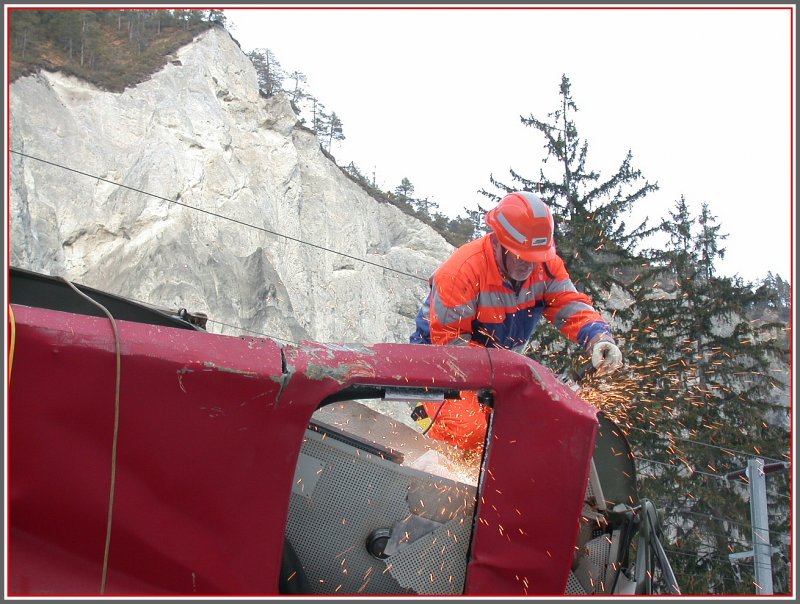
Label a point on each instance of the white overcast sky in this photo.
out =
(701, 97)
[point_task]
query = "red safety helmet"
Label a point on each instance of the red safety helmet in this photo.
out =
(523, 224)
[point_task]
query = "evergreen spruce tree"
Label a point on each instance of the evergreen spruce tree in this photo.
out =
(697, 394)
(699, 385)
(591, 235)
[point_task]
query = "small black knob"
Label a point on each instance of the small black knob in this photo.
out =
(376, 542)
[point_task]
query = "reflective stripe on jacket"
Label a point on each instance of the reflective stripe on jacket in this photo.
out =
(470, 302)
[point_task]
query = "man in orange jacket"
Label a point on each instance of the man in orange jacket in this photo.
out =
(492, 292)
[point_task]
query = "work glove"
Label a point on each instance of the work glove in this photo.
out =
(606, 356)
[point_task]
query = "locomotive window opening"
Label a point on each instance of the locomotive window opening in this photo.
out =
(378, 507)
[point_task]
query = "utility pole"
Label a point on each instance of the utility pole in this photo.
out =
(755, 475)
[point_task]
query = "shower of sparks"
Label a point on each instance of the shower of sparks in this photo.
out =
(652, 396)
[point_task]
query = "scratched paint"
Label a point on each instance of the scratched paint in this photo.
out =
(453, 366)
(341, 373)
(356, 348)
(181, 372)
(536, 377)
(214, 366)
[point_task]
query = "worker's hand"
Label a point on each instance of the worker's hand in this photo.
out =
(606, 357)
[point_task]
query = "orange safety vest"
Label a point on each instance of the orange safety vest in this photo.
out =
(472, 303)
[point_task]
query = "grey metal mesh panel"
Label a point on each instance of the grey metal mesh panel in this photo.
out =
(574, 586)
(598, 550)
(593, 553)
(353, 494)
(586, 574)
(589, 491)
(613, 565)
(435, 564)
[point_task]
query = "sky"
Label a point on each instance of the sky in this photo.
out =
(701, 97)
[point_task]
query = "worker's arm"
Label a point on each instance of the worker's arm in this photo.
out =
(574, 315)
(453, 307)
(569, 310)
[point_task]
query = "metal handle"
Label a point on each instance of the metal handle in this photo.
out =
(586, 369)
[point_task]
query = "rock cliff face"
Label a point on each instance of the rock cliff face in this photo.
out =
(129, 198)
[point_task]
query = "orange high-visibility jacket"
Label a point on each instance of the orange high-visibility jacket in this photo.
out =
(470, 302)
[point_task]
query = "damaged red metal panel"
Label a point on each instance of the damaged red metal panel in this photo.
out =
(538, 457)
(196, 509)
(210, 431)
(392, 364)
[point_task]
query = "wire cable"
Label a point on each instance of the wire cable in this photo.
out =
(209, 212)
(681, 511)
(13, 334)
(677, 466)
(253, 331)
(697, 442)
(115, 436)
(166, 310)
(693, 470)
(695, 555)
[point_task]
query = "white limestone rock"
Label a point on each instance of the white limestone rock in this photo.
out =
(199, 134)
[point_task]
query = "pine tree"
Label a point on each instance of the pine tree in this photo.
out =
(297, 93)
(461, 229)
(189, 17)
(64, 27)
(404, 190)
(401, 196)
(334, 131)
(87, 42)
(217, 16)
(319, 119)
(24, 26)
(424, 207)
(268, 69)
(477, 218)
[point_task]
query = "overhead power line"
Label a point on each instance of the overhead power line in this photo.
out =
(696, 555)
(695, 471)
(668, 509)
(680, 465)
(240, 328)
(697, 442)
(223, 217)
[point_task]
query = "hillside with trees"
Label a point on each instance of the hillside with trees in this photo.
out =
(111, 48)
